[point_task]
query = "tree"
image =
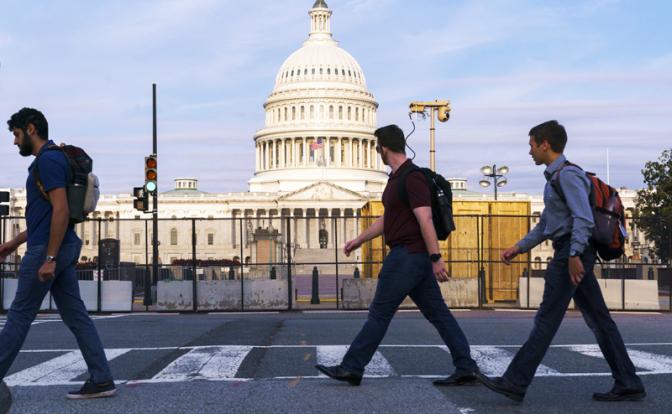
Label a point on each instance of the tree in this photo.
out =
(654, 204)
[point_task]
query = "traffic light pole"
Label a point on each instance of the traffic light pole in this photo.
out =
(155, 203)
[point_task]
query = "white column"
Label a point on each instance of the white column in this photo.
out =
(360, 164)
(337, 156)
(349, 154)
(282, 153)
(327, 151)
(304, 142)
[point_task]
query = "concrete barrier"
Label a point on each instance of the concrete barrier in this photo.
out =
(116, 295)
(9, 291)
(223, 295)
(358, 293)
(639, 294)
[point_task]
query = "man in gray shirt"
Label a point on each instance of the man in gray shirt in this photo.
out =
(568, 223)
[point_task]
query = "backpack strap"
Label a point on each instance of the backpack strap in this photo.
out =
(403, 194)
(36, 170)
(555, 180)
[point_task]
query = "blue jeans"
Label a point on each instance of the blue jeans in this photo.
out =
(407, 274)
(558, 291)
(64, 289)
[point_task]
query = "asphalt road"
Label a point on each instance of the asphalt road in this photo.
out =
(263, 363)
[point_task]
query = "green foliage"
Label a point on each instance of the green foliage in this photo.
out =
(654, 204)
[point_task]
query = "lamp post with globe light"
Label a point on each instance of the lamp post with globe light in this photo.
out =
(497, 176)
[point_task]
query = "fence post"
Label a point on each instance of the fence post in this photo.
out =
(100, 272)
(242, 263)
(315, 297)
(526, 273)
(232, 273)
(289, 263)
(194, 295)
(334, 226)
(2, 264)
(273, 273)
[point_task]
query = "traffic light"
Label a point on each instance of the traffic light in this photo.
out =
(4, 198)
(150, 174)
(141, 201)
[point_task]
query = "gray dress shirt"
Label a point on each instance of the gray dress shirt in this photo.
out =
(560, 218)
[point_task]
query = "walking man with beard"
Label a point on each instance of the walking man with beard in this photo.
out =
(49, 262)
(568, 221)
(412, 268)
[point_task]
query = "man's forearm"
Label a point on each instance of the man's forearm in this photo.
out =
(429, 236)
(373, 231)
(19, 240)
(59, 225)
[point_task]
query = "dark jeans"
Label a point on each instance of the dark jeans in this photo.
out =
(558, 291)
(405, 274)
(64, 289)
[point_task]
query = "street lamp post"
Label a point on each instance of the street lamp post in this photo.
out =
(496, 175)
(440, 109)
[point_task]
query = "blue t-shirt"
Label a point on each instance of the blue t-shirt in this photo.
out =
(53, 170)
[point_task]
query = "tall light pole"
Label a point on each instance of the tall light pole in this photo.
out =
(496, 175)
(439, 109)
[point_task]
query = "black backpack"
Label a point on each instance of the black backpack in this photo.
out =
(82, 184)
(442, 200)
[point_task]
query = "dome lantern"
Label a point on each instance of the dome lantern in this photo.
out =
(320, 21)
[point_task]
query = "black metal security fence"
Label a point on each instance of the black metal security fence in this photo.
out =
(289, 262)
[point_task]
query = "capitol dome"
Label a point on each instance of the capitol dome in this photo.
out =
(320, 119)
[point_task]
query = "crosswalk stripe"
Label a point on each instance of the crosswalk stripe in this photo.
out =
(493, 361)
(205, 363)
(58, 370)
(644, 360)
(333, 355)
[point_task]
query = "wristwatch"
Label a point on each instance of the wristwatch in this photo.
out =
(50, 259)
(435, 257)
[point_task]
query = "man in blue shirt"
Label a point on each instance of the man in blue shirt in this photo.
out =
(51, 255)
(568, 223)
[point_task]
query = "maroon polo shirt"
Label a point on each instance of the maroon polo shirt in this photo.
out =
(401, 227)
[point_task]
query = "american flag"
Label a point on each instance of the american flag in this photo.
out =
(315, 145)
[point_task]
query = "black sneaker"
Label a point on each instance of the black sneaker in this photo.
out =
(5, 398)
(91, 390)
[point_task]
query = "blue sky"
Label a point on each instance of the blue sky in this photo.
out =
(603, 68)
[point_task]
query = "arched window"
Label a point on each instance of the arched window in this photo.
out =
(313, 71)
(312, 112)
(331, 111)
(173, 237)
(293, 113)
(303, 112)
(328, 71)
(285, 113)
(349, 113)
(356, 114)
(340, 112)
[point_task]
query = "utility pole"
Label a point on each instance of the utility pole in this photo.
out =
(438, 109)
(155, 203)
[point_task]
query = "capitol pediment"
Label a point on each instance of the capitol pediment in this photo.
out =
(322, 191)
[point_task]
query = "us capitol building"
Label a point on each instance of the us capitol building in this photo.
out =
(315, 158)
(315, 161)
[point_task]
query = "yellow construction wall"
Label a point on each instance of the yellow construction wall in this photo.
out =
(485, 226)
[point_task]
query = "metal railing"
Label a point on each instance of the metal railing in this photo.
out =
(289, 263)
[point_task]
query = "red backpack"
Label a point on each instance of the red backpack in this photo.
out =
(608, 213)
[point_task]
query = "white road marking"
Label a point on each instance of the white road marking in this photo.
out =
(222, 363)
(493, 360)
(333, 355)
(205, 363)
(59, 370)
(644, 360)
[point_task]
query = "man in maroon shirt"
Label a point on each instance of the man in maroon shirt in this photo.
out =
(412, 268)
